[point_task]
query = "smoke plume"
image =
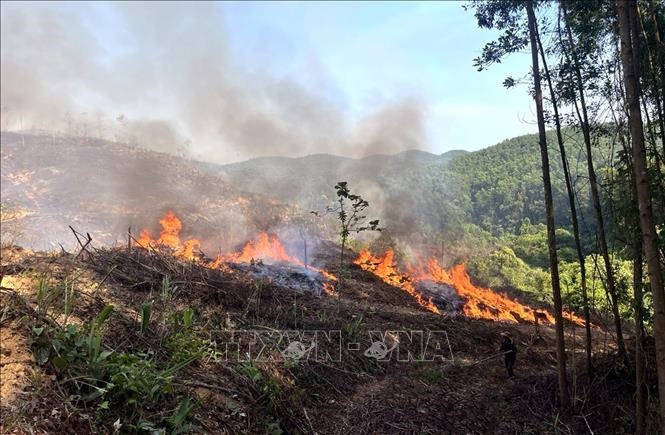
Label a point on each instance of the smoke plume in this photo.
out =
(163, 76)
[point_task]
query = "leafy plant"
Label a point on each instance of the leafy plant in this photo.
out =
(168, 289)
(350, 211)
(55, 299)
(105, 379)
(352, 328)
(266, 386)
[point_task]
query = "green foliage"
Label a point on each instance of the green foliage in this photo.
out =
(503, 268)
(350, 215)
(168, 289)
(106, 380)
(352, 328)
(56, 298)
(599, 300)
(267, 387)
(531, 245)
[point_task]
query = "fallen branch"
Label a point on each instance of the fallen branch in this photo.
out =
(84, 246)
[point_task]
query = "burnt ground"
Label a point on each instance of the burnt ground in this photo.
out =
(464, 389)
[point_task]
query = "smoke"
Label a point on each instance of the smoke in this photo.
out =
(164, 76)
(393, 128)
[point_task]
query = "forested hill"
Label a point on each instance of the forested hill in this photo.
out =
(499, 187)
(422, 196)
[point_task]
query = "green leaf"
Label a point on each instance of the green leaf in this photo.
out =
(60, 363)
(102, 356)
(37, 330)
(104, 315)
(188, 317)
(146, 311)
(99, 392)
(186, 406)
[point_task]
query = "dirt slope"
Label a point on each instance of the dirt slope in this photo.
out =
(103, 188)
(463, 390)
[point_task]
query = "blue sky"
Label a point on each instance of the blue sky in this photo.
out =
(375, 51)
(247, 79)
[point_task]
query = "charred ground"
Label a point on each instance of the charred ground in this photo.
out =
(106, 187)
(193, 307)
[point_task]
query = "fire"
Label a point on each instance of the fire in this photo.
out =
(268, 248)
(482, 303)
(265, 248)
(170, 238)
(386, 269)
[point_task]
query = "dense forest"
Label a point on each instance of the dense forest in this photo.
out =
(598, 70)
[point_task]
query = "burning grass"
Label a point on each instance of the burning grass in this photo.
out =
(479, 302)
(177, 345)
(265, 257)
(427, 282)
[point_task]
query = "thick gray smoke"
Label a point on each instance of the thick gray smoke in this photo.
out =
(162, 75)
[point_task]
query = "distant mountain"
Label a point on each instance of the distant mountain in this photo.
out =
(420, 198)
(308, 181)
(103, 188)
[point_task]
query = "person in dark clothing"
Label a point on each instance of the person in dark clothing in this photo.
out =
(510, 352)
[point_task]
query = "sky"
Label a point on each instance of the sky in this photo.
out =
(229, 81)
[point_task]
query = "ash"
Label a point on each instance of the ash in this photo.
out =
(444, 296)
(287, 275)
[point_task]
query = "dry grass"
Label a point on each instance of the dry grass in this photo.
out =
(353, 395)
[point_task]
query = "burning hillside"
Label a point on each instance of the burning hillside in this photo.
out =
(431, 286)
(103, 187)
(265, 257)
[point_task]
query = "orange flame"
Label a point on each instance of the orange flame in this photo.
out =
(386, 269)
(268, 247)
(265, 247)
(482, 303)
(170, 238)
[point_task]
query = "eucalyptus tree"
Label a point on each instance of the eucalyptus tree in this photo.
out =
(627, 12)
(520, 30)
(581, 60)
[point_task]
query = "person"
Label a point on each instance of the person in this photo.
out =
(509, 350)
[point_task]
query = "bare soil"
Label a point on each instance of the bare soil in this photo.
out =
(466, 391)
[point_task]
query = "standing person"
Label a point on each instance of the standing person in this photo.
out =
(509, 349)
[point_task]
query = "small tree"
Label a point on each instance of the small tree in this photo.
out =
(349, 211)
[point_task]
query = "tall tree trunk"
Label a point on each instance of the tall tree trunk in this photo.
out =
(647, 225)
(549, 210)
(660, 60)
(573, 209)
(583, 117)
(640, 383)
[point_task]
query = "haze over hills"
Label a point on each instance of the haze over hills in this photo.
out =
(103, 188)
(307, 180)
(420, 198)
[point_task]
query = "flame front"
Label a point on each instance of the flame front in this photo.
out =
(265, 248)
(269, 248)
(170, 238)
(385, 268)
(481, 303)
